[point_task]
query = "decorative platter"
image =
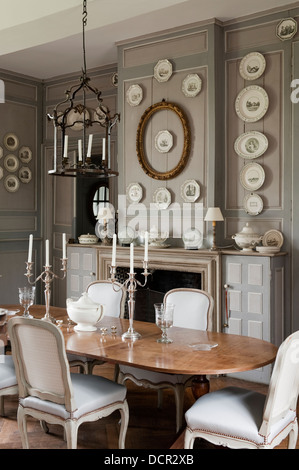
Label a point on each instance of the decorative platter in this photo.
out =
(252, 176)
(1, 172)
(134, 95)
(252, 103)
(273, 238)
(252, 66)
(11, 183)
(76, 118)
(253, 204)
(191, 85)
(134, 193)
(1, 152)
(190, 190)
(162, 198)
(163, 141)
(11, 141)
(286, 29)
(25, 174)
(25, 154)
(163, 70)
(251, 144)
(192, 239)
(11, 163)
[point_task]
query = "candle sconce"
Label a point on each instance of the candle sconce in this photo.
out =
(47, 276)
(131, 286)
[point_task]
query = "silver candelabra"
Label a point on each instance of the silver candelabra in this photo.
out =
(47, 277)
(131, 286)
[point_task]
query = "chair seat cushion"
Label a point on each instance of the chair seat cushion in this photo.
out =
(233, 412)
(91, 392)
(153, 377)
(7, 372)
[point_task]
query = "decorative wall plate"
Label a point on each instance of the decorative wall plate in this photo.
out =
(251, 144)
(191, 85)
(162, 198)
(25, 174)
(163, 141)
(163, 70)
(252, 66)
(76, 118)
(11, 183)
(11, 141)
(134, 193)
(286, 29)
(1, 152)
(252, 176)
(192, 239)
(11, 163)
(253, 204)
(25, 154)
(252, 103)
(190, 190)
(273, 238)
(134, 95)
(1, 172)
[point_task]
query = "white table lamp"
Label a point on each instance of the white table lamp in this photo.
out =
(104, 215)
(214, 215)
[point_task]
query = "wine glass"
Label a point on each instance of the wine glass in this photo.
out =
(26, 299)
(164, 320)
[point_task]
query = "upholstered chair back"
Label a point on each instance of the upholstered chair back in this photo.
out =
(109, 294)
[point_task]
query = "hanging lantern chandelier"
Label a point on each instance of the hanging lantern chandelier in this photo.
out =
(72, 114)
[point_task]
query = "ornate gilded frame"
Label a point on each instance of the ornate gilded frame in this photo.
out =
(141, 153)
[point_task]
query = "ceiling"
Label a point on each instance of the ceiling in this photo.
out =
(43, 39)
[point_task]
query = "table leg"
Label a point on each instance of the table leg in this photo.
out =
(200, 386)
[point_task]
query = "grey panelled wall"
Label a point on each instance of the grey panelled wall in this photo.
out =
(20, 210)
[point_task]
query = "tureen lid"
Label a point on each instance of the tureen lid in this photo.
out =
(247, 230)
(85, 302)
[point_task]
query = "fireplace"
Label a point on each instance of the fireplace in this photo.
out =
(170, 268)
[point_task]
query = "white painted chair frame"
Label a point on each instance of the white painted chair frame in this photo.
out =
(50, 397)
(159, 381)
(276, 411)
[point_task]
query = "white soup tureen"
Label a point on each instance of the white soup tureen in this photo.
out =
(85, 312)
(247, 239)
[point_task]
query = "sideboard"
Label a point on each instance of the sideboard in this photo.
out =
(247, 287)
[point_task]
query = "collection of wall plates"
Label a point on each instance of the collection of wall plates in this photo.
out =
(16, 165)
(251, 105)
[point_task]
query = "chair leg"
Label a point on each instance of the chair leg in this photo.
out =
(71, 433)
(124, 414)
(293, 436)
(188, 440)
(22, 425)
(179, 403)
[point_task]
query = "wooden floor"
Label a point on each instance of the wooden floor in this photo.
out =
(149, 427)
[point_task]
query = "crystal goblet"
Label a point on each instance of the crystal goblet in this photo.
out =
(26, 299)
(164, 320)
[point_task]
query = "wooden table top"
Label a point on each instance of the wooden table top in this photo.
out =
(233, 354)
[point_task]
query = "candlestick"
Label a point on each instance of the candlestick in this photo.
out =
(114, 250)
(47, 253)
(80, 150)
(89, 145)
(30, 248)
(63, 246)
(146, 246)
(131, 258)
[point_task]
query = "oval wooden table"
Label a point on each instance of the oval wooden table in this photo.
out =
(232, 354)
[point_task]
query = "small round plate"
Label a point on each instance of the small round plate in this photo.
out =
(273, 238)
(251, 145)
(163, 141)
(252, 66)
(163, 70)
(162, 198)
(252, 103)
(134, 95)
(252, 176)
(253, 204)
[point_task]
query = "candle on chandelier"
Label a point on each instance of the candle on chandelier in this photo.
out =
(131, 258)
(64, 246)
(114, 251)
(30, 248)
(104, 150)
(66, 139)
(80, 150)
(89, 145)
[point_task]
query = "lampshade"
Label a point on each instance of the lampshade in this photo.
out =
(213, 214)
(105, 213)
